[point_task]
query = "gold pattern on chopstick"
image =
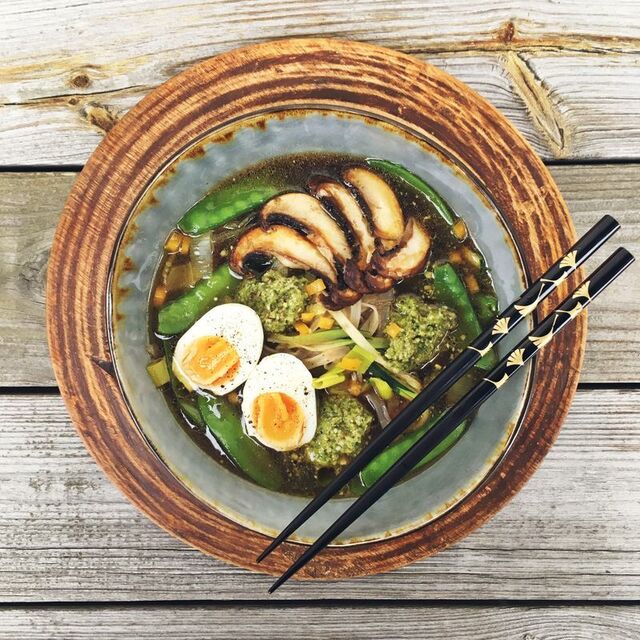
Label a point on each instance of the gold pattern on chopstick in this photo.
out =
(572, 313)
(501, 326)
(582, 291)
(526, 309)
(541, 341)
(484, 351)
(569, 260)
(516, 358)
(500, 382)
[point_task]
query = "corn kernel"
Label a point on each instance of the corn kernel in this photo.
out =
(307, 316)
(350, 364)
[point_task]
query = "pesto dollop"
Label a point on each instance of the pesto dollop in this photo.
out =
(423, 327)
(277, 299)
(343, 423)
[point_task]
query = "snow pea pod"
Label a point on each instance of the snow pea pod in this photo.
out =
(225, 205)
(223, 421)
(486, 307)
(379, 465)
(398, 171)
(179, 314)
(450, 290)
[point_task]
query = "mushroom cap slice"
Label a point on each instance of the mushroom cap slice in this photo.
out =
(304, 212)
(344, 201)
(290, 247)
(386, 214)
(409, 257)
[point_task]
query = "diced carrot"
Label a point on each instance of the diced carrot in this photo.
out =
(185, 246)
(159, 296)
(354, 387)
(393, 329)
(302, 328)
(326, 322)
(315, 287)
(350, 364)
(471, 283)
(307, 316)
(174, 242)
(455, 257)
(460, 230)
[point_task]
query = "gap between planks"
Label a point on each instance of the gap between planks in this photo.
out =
(359, 623)
(573, 532)
(29, 209)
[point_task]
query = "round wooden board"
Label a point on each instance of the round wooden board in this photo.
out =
(279, 75)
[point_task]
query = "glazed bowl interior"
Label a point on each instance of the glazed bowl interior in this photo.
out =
(186, 180)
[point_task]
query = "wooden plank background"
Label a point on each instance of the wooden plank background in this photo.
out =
(76, 560)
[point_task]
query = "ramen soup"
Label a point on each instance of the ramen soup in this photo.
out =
(302, 303)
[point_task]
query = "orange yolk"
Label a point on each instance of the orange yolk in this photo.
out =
(210, 360)
(278, 419)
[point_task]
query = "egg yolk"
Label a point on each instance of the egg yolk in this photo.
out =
(210, 360)
(278, 419)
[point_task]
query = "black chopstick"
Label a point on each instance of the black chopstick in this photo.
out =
(569, 309)
(506, 321)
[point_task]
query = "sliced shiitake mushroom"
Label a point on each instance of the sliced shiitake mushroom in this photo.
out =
(344, 202)
(409, 257)
(385, 211)
(291, 248)
(306, 213)
(296, 251)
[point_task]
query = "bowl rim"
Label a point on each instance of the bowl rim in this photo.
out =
(149, 196)
(286, 74)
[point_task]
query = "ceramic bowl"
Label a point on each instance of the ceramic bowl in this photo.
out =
(222, 116)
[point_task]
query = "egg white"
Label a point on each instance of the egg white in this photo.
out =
(237, 324)
(284, 373)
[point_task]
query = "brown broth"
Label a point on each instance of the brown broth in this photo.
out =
(293, 172)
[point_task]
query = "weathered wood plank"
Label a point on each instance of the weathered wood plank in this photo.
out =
(572, 533)
(567, 74)
(357, 623)
(30, 205)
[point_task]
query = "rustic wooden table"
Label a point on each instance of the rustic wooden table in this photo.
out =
(76, 560)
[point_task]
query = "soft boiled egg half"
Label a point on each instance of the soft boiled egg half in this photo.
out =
(220, 350)
(279, 403)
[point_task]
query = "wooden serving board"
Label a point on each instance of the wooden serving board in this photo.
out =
(271, 76)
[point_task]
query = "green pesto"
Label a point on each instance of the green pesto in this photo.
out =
(343, 423)
(277, 299)
(424, 326)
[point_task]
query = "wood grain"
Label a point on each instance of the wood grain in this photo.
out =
(215, 92)
(565, 74)
(194, 622)
(572, 533)
(29, 210)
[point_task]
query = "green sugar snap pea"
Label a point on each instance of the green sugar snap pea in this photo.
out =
(450, 290)
(383, 462)
(223, 421)
(225, 205)
(179, 314)
(398, 171)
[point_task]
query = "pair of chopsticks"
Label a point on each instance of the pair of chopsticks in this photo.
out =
(569, 309)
